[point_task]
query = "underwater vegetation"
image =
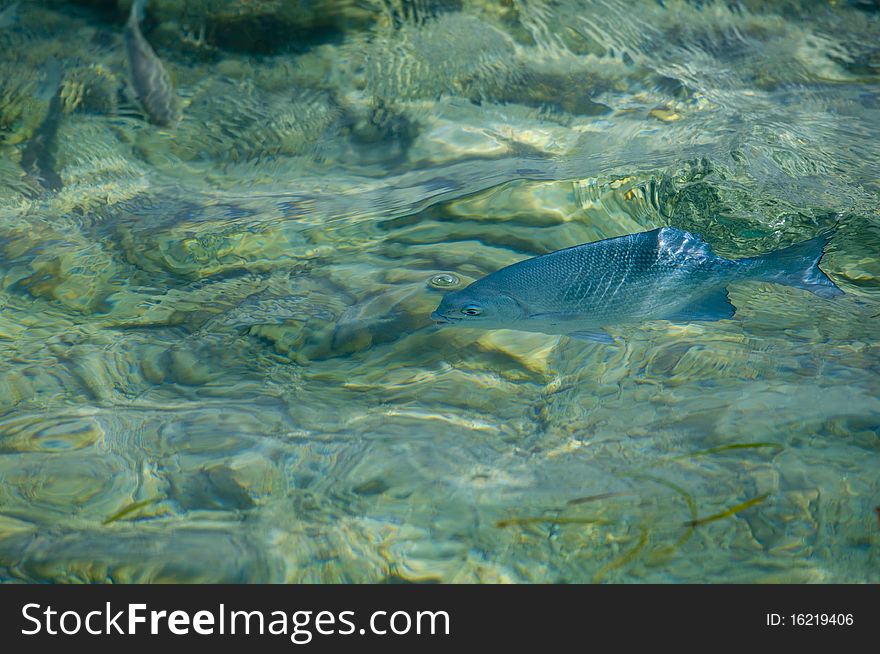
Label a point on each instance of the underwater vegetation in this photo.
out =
(217, 356)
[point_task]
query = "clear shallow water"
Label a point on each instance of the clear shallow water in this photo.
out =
(217, 358)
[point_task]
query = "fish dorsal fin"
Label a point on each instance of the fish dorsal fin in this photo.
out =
(714, 306)
(676, 244)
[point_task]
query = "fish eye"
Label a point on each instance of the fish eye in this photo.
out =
(471, 310)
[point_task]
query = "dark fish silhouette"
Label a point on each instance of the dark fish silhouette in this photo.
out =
(151, 83)
(38, 157)
(665, 274)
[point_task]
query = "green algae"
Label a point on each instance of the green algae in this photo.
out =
(625, 558)
(536, 520)
(128, 511)
(721, 449)
(732, 511)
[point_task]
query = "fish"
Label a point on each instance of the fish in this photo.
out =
(662, 274)
(150, 80)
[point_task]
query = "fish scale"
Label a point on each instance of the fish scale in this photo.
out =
(666, 273)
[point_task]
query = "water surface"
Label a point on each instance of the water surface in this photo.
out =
(217, 357)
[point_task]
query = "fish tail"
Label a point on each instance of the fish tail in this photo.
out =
(797, 265)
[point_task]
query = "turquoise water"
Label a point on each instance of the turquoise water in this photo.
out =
(216, 356)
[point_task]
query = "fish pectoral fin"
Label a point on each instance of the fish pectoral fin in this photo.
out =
(714, 306)
(565, 320)
(595, 337)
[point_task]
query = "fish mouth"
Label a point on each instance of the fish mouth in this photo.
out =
(440, 319)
